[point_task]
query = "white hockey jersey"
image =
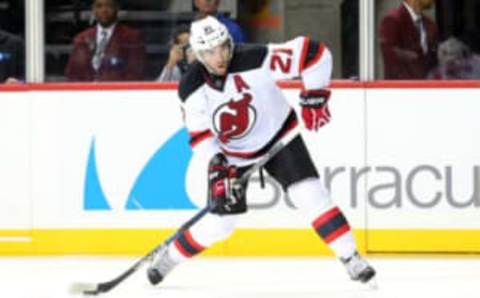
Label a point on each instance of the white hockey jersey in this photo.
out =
(244, 113)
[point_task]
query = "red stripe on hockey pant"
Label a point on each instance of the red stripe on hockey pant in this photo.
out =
(182, 250)
(337, 233)
(325, 217)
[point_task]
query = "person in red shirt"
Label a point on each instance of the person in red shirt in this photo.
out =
(408, 40)
(108, 51)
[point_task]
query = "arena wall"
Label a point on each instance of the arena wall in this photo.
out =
(99, 169)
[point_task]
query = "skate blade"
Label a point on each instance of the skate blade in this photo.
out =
(82, 288)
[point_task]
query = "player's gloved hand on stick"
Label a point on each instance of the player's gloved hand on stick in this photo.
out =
(225, 195)
(315, 112)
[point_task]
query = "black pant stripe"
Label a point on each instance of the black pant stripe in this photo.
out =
(186, 245)
(331, 226)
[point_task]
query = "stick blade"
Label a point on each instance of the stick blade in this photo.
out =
(79, 288)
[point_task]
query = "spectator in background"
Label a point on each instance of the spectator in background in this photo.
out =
(210, 8)
(456, 62)
(408, 41)
(108, 51)
(180, 56)
(12, 58)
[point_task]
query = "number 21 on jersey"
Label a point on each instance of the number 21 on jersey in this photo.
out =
(281, 60)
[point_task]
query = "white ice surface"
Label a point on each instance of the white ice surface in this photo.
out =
(50, 277)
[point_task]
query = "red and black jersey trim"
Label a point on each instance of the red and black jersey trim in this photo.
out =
(331, 225)
(290, 123)
(247, 57)
(191, 81)
(198, 136)
(312, 51)
(186, 245)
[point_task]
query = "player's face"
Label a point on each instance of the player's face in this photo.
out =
(105, 12)
(217, 59)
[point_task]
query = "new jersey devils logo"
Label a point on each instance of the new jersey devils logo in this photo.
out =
(234, 119)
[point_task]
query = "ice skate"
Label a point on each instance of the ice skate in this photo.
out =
(162, 264)
(358, 268)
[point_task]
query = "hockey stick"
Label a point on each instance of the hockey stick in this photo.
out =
(103, 287)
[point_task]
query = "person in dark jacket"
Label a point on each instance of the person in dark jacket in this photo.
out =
(12, 58)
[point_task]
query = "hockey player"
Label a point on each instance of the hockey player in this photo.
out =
(235, 112)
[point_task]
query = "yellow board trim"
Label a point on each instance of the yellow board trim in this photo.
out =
(243, 242)
(424, 241)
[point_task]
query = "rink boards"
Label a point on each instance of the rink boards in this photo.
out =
(99, 169)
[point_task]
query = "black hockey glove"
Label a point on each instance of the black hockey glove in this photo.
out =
(315, 112)
(225, 195)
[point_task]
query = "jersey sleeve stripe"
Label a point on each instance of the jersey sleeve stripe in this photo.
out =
(321, 48)
(197, 137)
(303, 56)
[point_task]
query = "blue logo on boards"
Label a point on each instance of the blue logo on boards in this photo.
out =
(160, 184)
